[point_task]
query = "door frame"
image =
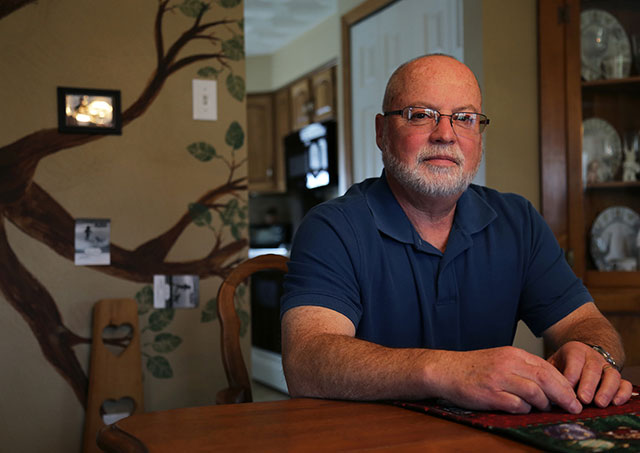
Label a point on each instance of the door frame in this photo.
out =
(348, 20)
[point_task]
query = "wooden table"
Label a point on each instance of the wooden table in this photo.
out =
(297, 425)
(301, 425)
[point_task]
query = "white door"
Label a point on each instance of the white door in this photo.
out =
(379, 44)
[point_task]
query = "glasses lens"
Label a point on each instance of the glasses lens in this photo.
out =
(469, 122)
(418, 116)
(465, 120)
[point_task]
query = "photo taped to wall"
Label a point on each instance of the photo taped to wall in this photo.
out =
(176, 291)
(92, 239)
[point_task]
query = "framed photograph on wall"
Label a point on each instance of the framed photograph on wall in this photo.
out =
(89, 111)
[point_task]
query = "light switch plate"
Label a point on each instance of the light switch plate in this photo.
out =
(205, 100)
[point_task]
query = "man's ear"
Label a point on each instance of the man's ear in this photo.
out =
(380, 131)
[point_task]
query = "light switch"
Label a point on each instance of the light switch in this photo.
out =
(205, 100)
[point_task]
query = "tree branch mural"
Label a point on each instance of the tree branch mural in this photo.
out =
(35, 212)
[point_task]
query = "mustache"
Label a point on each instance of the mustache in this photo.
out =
(449, 152)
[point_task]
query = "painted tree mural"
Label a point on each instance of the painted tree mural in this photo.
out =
(36, 213)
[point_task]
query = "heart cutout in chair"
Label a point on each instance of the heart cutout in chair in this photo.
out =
(117, 338)
(113, 410)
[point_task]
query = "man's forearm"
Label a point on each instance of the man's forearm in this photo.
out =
(343, 367)
(589, 327)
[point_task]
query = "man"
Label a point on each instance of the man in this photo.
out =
(411, 285)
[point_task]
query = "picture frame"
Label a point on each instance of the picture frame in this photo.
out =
(89, 111)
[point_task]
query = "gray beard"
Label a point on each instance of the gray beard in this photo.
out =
(430, 180)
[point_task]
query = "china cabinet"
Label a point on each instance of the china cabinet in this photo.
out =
(589, 60)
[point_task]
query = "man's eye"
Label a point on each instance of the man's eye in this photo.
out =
(465, 117)
(423, 115)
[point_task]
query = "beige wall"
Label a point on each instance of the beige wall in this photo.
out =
(511, 96)
(142, 180)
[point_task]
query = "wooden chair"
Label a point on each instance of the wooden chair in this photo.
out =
(115, 370)
(239, 390)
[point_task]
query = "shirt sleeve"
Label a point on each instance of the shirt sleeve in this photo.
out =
(551, 290)
(323, 266)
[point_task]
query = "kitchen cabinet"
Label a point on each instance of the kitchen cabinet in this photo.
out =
(589, 115)
(274, 115)
(263, 172)
(313, 98)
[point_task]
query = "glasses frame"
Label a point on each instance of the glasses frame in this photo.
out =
(483, 123)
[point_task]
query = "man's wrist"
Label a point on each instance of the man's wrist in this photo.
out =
(604, 353)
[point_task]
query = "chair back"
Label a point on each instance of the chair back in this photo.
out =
(239, 390)
(115, 369)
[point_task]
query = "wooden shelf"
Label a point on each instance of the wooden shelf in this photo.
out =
(613, 185)
(633, 80)
(608, 279)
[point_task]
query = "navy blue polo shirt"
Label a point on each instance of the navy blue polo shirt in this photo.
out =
(360, 256)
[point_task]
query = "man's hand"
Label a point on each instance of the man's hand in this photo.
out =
(595, 379)
(507, 379)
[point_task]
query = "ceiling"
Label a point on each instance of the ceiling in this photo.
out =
(271, 24)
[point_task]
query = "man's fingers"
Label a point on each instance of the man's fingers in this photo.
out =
(511, 403)
(609, 385)
(572, 369)
(529, 391)
(553, 386)
(624, 393)
(592, 372)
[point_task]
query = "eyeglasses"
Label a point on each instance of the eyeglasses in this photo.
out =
(463, 123)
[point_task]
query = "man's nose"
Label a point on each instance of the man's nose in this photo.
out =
(443, 132)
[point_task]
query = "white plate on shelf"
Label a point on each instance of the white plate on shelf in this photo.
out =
(601, 151)
(614, 239)
(604, 46)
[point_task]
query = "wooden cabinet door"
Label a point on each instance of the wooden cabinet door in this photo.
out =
(260, 142)
(301, 104)
(282, 129)
(323, 88)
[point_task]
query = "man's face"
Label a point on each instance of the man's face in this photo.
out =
(437, 162)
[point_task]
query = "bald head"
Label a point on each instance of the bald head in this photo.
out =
(427, 68)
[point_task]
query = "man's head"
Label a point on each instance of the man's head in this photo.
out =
(430, 160)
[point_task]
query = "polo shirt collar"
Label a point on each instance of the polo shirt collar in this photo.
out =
(473, 213)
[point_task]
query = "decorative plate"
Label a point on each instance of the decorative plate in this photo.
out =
(614, 239)
(601, 151)
(604, 43)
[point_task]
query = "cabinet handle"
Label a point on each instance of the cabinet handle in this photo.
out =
(269, 172)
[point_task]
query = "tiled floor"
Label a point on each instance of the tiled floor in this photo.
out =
(263, 393)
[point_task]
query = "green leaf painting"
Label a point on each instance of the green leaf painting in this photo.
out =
(191, 8)
(210, 311)
(235, 216)
(160, 319)
(234, 48)
(235, 85)
(159, 367)
(209, 72)
(200, 214)
(165, 342)
(202, 151)
(144, 298)
(244, 317)
(235, 136)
